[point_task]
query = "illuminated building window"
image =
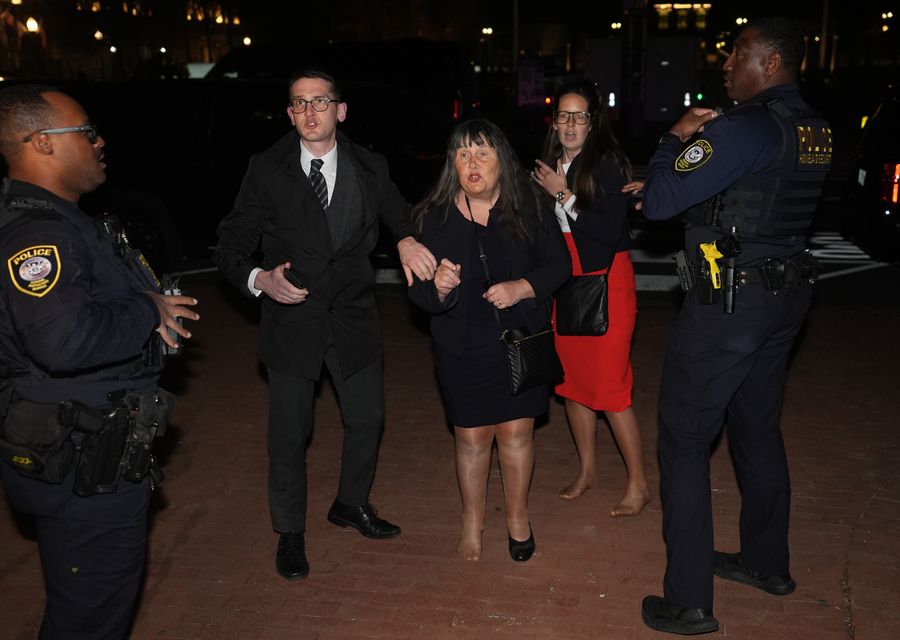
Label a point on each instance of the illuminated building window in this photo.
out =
(683, 13)
(700, 19)
(663, 23)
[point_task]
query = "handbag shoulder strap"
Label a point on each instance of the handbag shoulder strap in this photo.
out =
(482, 255)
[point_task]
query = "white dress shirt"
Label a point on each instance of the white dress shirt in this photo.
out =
(328, 171)
(563, 211)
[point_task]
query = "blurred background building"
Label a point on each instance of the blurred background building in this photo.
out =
(103, 39)
(650, 59)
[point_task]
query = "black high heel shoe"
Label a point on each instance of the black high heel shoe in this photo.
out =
(521, 551)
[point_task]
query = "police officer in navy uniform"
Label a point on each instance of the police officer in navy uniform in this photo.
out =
(77, 327)
(748, 182)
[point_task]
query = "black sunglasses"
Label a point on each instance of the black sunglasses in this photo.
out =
(89, 129)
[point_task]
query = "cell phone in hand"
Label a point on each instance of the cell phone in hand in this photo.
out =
(293, 277)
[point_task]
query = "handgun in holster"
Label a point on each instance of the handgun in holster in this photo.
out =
(150, 417)
(99, 436)
(115, 442)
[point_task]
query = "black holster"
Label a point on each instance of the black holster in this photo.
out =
(115, 442)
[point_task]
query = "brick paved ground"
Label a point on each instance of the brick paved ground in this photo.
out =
(210, 571)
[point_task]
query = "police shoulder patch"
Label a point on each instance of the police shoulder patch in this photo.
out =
(35, 270)
(694, 157)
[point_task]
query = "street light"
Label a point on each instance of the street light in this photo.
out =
(247, 41)
(98, 35)
(32, 25)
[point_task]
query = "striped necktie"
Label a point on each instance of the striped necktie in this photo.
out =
(317, 180)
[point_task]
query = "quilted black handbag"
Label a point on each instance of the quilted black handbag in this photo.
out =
(531, 357)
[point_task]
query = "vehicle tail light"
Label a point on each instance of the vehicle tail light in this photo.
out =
(891, 182)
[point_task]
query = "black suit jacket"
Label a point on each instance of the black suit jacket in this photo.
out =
(545, 264)
(276, 214)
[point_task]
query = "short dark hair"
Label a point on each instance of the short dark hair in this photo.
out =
(23, 110)
(785, 37)
(315, 72)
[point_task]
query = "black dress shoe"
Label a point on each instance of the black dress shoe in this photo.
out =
(730, 566)
(363, 518)
(661, 615)
(521, 551)
(290, 559)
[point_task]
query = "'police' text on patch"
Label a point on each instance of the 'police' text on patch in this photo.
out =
(694, 157)
(35, 270)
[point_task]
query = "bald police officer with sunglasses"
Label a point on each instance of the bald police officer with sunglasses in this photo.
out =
(80, 328)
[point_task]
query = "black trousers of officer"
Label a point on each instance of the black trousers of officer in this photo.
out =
(726, 368)
(92, 553)
(291, 402)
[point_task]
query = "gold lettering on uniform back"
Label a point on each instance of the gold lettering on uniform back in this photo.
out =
(814, 146)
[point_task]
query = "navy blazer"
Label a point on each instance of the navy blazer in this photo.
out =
(601, 229)
(545, 264)
(278, 214)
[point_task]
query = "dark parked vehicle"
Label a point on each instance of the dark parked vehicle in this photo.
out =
(870, 214)
(178, 149)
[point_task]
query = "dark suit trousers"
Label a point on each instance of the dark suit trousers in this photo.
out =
(291, 399)
(726, 368)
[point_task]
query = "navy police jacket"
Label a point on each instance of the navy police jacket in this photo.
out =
(70, 311)
(744, 143)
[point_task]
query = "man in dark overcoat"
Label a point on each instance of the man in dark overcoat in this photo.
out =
(299, 238)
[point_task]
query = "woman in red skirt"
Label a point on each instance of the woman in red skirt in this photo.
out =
(584, 169)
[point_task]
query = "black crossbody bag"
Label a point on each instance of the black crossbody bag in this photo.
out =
(582, 305)
(530, 357)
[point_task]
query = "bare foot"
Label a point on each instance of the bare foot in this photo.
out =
(576, 489)
(469, 547)
(632, 503)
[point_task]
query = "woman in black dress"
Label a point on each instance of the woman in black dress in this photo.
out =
(483, 198)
